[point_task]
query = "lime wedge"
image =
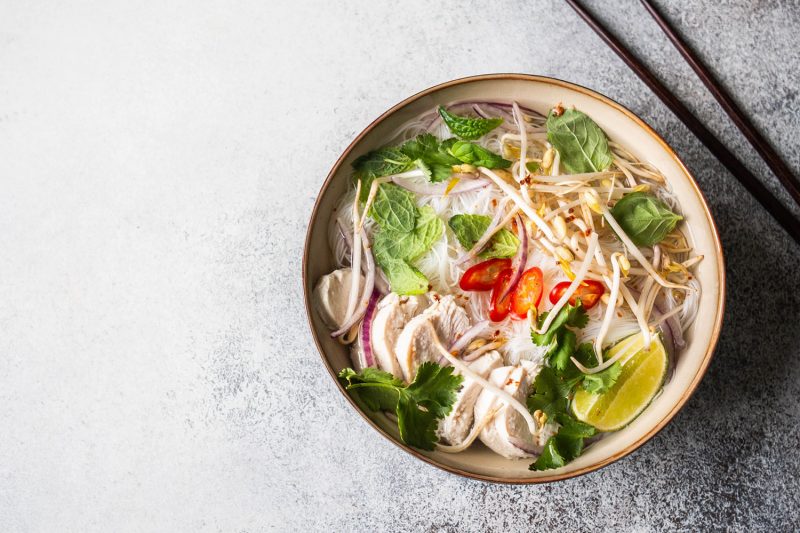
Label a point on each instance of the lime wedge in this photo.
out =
(643, 373)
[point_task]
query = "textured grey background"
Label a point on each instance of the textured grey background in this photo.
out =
(158, 164)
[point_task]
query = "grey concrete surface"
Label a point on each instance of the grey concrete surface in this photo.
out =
(158, 164)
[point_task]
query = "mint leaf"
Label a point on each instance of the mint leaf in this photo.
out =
(468, 229)
(410, 245)
(468, 128)
(418, 406)
(430, 156)
(377, 163)
(474, 154)
(404, 279)
(394, 208)
(644, 218)
(580, 142)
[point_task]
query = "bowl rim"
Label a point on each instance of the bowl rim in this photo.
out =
(718, 319)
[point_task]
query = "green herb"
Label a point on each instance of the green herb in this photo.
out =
(580, 142)
(532, 166)
(394, 250)
(377, 163)
(418, 406)
(559, 339)
(468, 229)
(468, 128)
(394, 208)
(473, 154)
(410, 245)
(644, 218)
(430, 156)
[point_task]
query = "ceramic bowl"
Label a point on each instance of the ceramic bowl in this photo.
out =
(621, 125)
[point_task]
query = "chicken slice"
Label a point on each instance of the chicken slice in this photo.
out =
(391, 316)
(416, 345)
(332, 294)
(508, 433)
(455, 427)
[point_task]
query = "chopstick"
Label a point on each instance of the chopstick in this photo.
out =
(762, 146)
(778, 211)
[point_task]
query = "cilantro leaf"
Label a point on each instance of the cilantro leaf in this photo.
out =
(468, 128)
(468, 229)
(603, 380)
(549, 394)
(418, 406)
(560, 341)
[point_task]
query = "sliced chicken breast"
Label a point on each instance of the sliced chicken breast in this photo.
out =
(508, 433)
(391, 316)
(455, 427)
(415, 344)
(332, 294)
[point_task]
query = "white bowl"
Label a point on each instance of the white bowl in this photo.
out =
(621, 125)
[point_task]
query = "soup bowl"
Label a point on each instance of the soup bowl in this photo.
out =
(621, 125)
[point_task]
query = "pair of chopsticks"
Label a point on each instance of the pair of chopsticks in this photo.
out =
(774, 206)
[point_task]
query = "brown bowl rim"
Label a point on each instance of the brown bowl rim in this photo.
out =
(720, 268)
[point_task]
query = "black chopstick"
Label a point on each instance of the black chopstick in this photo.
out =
(762, 146)
(781, 214)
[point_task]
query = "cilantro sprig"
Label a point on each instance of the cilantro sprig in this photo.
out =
(555, 385)
(419, 406)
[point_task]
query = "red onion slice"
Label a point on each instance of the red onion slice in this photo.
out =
(467, 183)
(365, 330)
(522, 258)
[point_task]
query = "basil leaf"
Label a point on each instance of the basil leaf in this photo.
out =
(394, 208)
(468, 229)
(477, 155)
(468, 128)
(377, 163)
(410, 245)
(644, 218)
(580, 142)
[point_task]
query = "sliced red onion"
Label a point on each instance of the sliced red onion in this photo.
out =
(468, 335)
(525, 446)
(365, 329)
(522, 258)
(487, 235)
(467, 183)
(369, 285)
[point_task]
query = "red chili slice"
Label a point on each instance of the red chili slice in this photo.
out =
(481, 277)
(589, 291)
(500, 309)
(528, 292)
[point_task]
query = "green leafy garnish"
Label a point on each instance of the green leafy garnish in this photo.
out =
(418, 406)
(580, 142)
(394, 251)
(377, 163)
(468, 128)
(468, 229)
(559, 339)
(394, 208)
(644, 218)
(430, 156)
(474, 154)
